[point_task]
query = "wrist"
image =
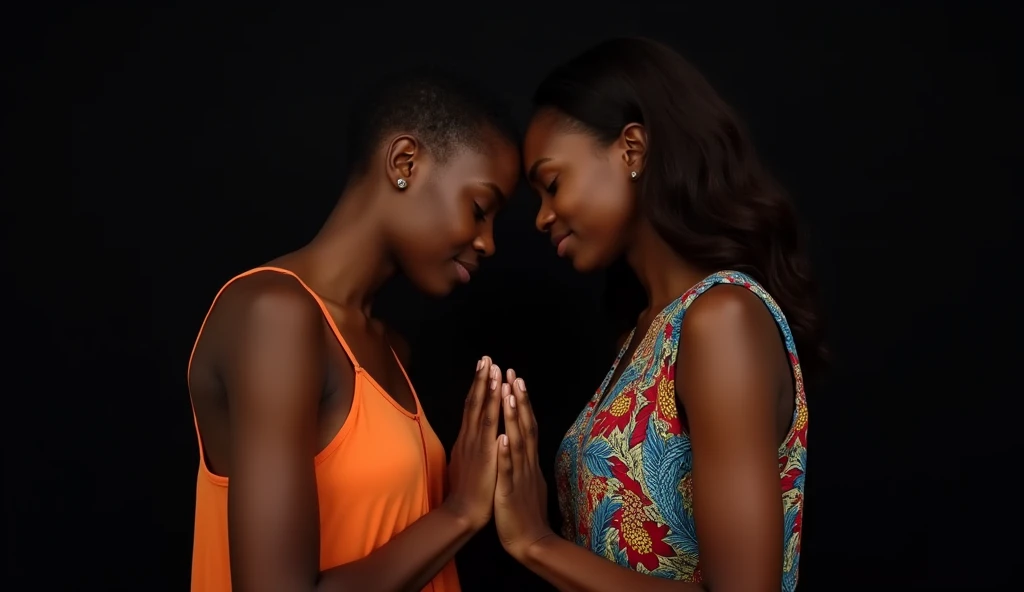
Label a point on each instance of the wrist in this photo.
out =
(458, 514)
(533, 553)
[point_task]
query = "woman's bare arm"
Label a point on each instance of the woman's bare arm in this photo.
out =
(274, 378)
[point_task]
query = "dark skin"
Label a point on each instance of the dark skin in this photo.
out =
(271, 385)
(733, 381)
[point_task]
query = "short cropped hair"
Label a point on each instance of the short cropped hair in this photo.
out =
(445, 112)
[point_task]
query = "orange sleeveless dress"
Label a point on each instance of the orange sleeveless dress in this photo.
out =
(384, 469)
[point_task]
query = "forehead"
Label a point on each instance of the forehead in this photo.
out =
(549, 134)
(494, 161)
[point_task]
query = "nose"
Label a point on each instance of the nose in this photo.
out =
(545, 216)
(483, 244)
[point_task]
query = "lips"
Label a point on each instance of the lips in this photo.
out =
(464, 269)
(470, 267)
(559, 241)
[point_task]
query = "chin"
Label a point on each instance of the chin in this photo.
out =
(580, 266)
(436, 287)
(586, 264)
(425, 278)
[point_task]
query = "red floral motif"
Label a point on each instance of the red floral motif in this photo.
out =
(643, 416)
(789, 477)
(642, 539)
(621, 472)
(614, 416)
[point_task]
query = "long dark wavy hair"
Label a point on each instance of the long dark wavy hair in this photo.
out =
(703, 187)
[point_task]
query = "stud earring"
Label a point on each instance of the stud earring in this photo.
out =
(632, 174)
(401, 183)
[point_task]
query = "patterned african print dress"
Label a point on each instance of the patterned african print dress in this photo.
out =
(623, 471)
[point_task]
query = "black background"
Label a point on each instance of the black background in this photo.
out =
(207, 140)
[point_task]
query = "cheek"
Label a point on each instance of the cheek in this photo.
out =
(452, 225)
(462, 230)
(605, 207)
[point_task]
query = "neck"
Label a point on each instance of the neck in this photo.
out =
(664, 275)
(348, 261)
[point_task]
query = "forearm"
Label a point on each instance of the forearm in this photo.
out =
(572, 568)
(408, 561)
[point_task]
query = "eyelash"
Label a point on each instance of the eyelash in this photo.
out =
(552, 187)
(478, 212)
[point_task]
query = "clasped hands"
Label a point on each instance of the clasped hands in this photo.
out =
(499, 474)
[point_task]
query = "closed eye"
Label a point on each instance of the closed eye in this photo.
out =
(478, 212)
(552, 187)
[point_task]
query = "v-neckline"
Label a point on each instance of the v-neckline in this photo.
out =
(606, 384)
(602, 396)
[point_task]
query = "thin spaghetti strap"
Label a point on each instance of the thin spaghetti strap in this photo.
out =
(316, 297)
(323, 308)
(408, 380)
(209, 311)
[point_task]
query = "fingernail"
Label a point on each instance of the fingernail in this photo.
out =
(504, 440)
(479, 364)
(521, 384)
(511, 375)
(505, 390)
(494, 383)
(512, 402)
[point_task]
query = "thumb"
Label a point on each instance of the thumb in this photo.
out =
(504, 466)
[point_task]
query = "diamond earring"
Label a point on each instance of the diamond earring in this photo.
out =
(401, 183)
(632, 174)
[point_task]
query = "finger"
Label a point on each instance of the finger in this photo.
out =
(527, 420)
(491, 409)
(510, 377)
(476, 394)
(515, 438)
(505, 482)
(478, 419)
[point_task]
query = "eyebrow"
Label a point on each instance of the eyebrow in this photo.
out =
(532, 175)
(501, 197)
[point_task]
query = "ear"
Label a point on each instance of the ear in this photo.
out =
(633, 141)
(403, 153)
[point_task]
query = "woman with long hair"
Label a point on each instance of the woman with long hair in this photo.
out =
(685, 470)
